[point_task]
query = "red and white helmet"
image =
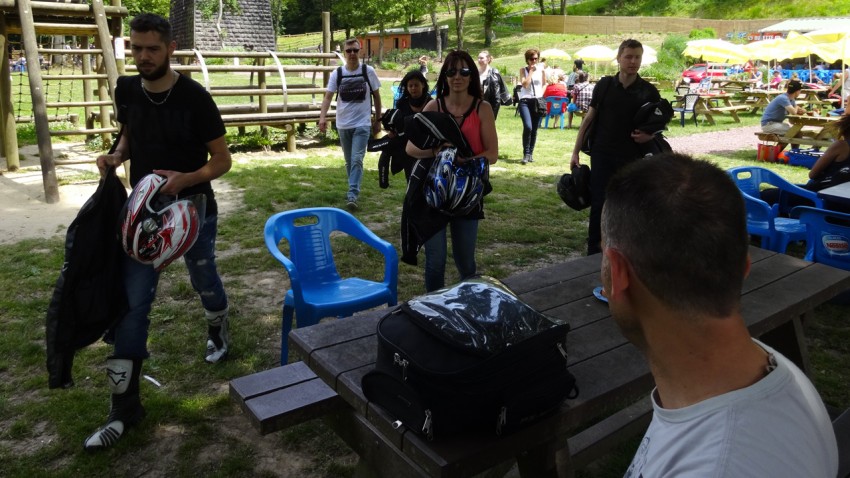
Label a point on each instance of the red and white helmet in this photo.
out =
(157, 229)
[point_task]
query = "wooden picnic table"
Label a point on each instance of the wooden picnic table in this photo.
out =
(809, 96)
(757, 99)
(733, 84)
(710, 104)
(611, 373)
(811, 130)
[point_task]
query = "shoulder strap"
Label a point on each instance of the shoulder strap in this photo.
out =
(338, 81)
(366, 77)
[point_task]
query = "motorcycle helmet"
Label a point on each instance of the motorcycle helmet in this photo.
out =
(574, 189)
(455, 189)
(157, 229)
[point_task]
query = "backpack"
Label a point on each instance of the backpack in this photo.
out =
(469, 358)
(350, 90)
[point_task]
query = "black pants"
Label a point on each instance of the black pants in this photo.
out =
(602, 169)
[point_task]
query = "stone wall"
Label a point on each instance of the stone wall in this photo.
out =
(251, 29)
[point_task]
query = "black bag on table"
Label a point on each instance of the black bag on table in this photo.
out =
(469, 358)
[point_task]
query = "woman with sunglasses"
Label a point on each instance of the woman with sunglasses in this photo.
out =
(531, 78)
(459, 95)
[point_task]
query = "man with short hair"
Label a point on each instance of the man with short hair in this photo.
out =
(172, 128)
(354, 84)
(616, 139)
(725, 404)
(578, 64)
(773, 118)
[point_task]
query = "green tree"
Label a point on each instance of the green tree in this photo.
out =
(135, 7)
(460, 11)
(492, 10)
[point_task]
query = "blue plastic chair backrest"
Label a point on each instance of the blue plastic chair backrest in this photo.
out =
(556, 103)
(759, 211)
(750, 178)
(828, 236)
(308, 233)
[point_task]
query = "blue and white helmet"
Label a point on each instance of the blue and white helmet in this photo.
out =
(455, 189)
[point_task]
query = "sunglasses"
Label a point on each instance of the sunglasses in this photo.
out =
(534, 58)
(464, 72)
(352, 50)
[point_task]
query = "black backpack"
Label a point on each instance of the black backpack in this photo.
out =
(469, 358)
(354, 90)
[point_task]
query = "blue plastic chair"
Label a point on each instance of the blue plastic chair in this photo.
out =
(556, 106)
(828, 240)
(776, 232)
(750, 179)
(317, 290)
(396, 91)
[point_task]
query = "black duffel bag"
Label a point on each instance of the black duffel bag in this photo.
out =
(471, 358)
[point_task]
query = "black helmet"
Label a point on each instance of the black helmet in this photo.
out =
(574, 188)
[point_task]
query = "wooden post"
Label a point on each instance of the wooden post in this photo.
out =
(39, 110)
(326, 44)
(105, 37)
(7, 112)
(87, 84)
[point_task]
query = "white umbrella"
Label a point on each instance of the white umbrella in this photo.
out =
(596, 53)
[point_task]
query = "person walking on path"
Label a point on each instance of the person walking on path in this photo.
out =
(616, 142)
(354, 84)
(172, 128)
(532, 80)
(493, 86)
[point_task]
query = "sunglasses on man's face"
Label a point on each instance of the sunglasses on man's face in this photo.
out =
(454, 71)
(352, 50)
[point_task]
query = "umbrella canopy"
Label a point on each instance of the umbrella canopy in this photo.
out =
(555, 53)
(831, 47)
(649, 51)
(770, 49)
(596, 53)
(716, 50)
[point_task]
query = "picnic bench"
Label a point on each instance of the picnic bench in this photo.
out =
(809, 130)
(711, 104)
(757, 99)
(612, 375)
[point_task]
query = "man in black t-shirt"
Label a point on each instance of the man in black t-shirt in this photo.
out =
(616, 99)
(171, 127)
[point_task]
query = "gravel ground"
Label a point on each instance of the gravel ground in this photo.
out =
(716, 142)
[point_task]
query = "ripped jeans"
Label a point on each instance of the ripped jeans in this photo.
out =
(130, 334)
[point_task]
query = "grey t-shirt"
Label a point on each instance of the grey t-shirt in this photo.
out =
(777, 427)
(775, 111)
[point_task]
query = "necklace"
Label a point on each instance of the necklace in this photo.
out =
(157, 103)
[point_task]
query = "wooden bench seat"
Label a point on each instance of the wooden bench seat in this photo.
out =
(592, 443)
(785, 140)
(729, 108)
(283, 396)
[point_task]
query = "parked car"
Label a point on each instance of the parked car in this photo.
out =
(696, 72)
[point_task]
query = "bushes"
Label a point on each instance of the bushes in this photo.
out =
(670, 61)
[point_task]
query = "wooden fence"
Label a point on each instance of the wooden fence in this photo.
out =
(612, 25)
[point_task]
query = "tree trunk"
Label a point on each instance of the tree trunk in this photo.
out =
(460, 11)
(438, 35)
(542, 7)
(563, 7)
(381, 33)
(218, 22)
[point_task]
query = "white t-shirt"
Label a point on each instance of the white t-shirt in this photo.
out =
(354, 103)
(777, 427)
(537, 79)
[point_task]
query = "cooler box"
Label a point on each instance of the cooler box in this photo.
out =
(803, 157)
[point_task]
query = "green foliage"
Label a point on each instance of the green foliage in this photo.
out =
(389, 65)
(210, 8)
(707, 32)
(406, 57)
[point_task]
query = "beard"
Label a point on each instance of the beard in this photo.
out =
(157, 72)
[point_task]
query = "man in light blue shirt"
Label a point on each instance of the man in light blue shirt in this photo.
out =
(773, 118)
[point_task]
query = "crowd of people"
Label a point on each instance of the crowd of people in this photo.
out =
(717, 390)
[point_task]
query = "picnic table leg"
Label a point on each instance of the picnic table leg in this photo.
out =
(541, 462)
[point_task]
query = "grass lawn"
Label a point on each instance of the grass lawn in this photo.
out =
(527, 226)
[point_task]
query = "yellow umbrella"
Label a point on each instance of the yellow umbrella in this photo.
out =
(596, 53)
(720, 51)
(832, 46)
(555, 53)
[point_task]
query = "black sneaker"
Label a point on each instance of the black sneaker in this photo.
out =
(352, 204)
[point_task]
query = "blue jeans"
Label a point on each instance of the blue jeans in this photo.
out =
(140, 281)
(530, 122)
(464, 237)
(353, 141)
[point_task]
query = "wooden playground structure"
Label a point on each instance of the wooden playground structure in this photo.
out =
(287, 92)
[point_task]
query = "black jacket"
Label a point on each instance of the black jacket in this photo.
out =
(89, 295)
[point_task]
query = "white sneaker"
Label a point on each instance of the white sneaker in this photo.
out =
(217, 336)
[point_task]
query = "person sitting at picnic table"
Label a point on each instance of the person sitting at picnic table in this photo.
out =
(758, 76)
(581, 95)
(773, 118)
(557, 89)
(833, 167)
(776, 80)
(578, 65)
(724, 403)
